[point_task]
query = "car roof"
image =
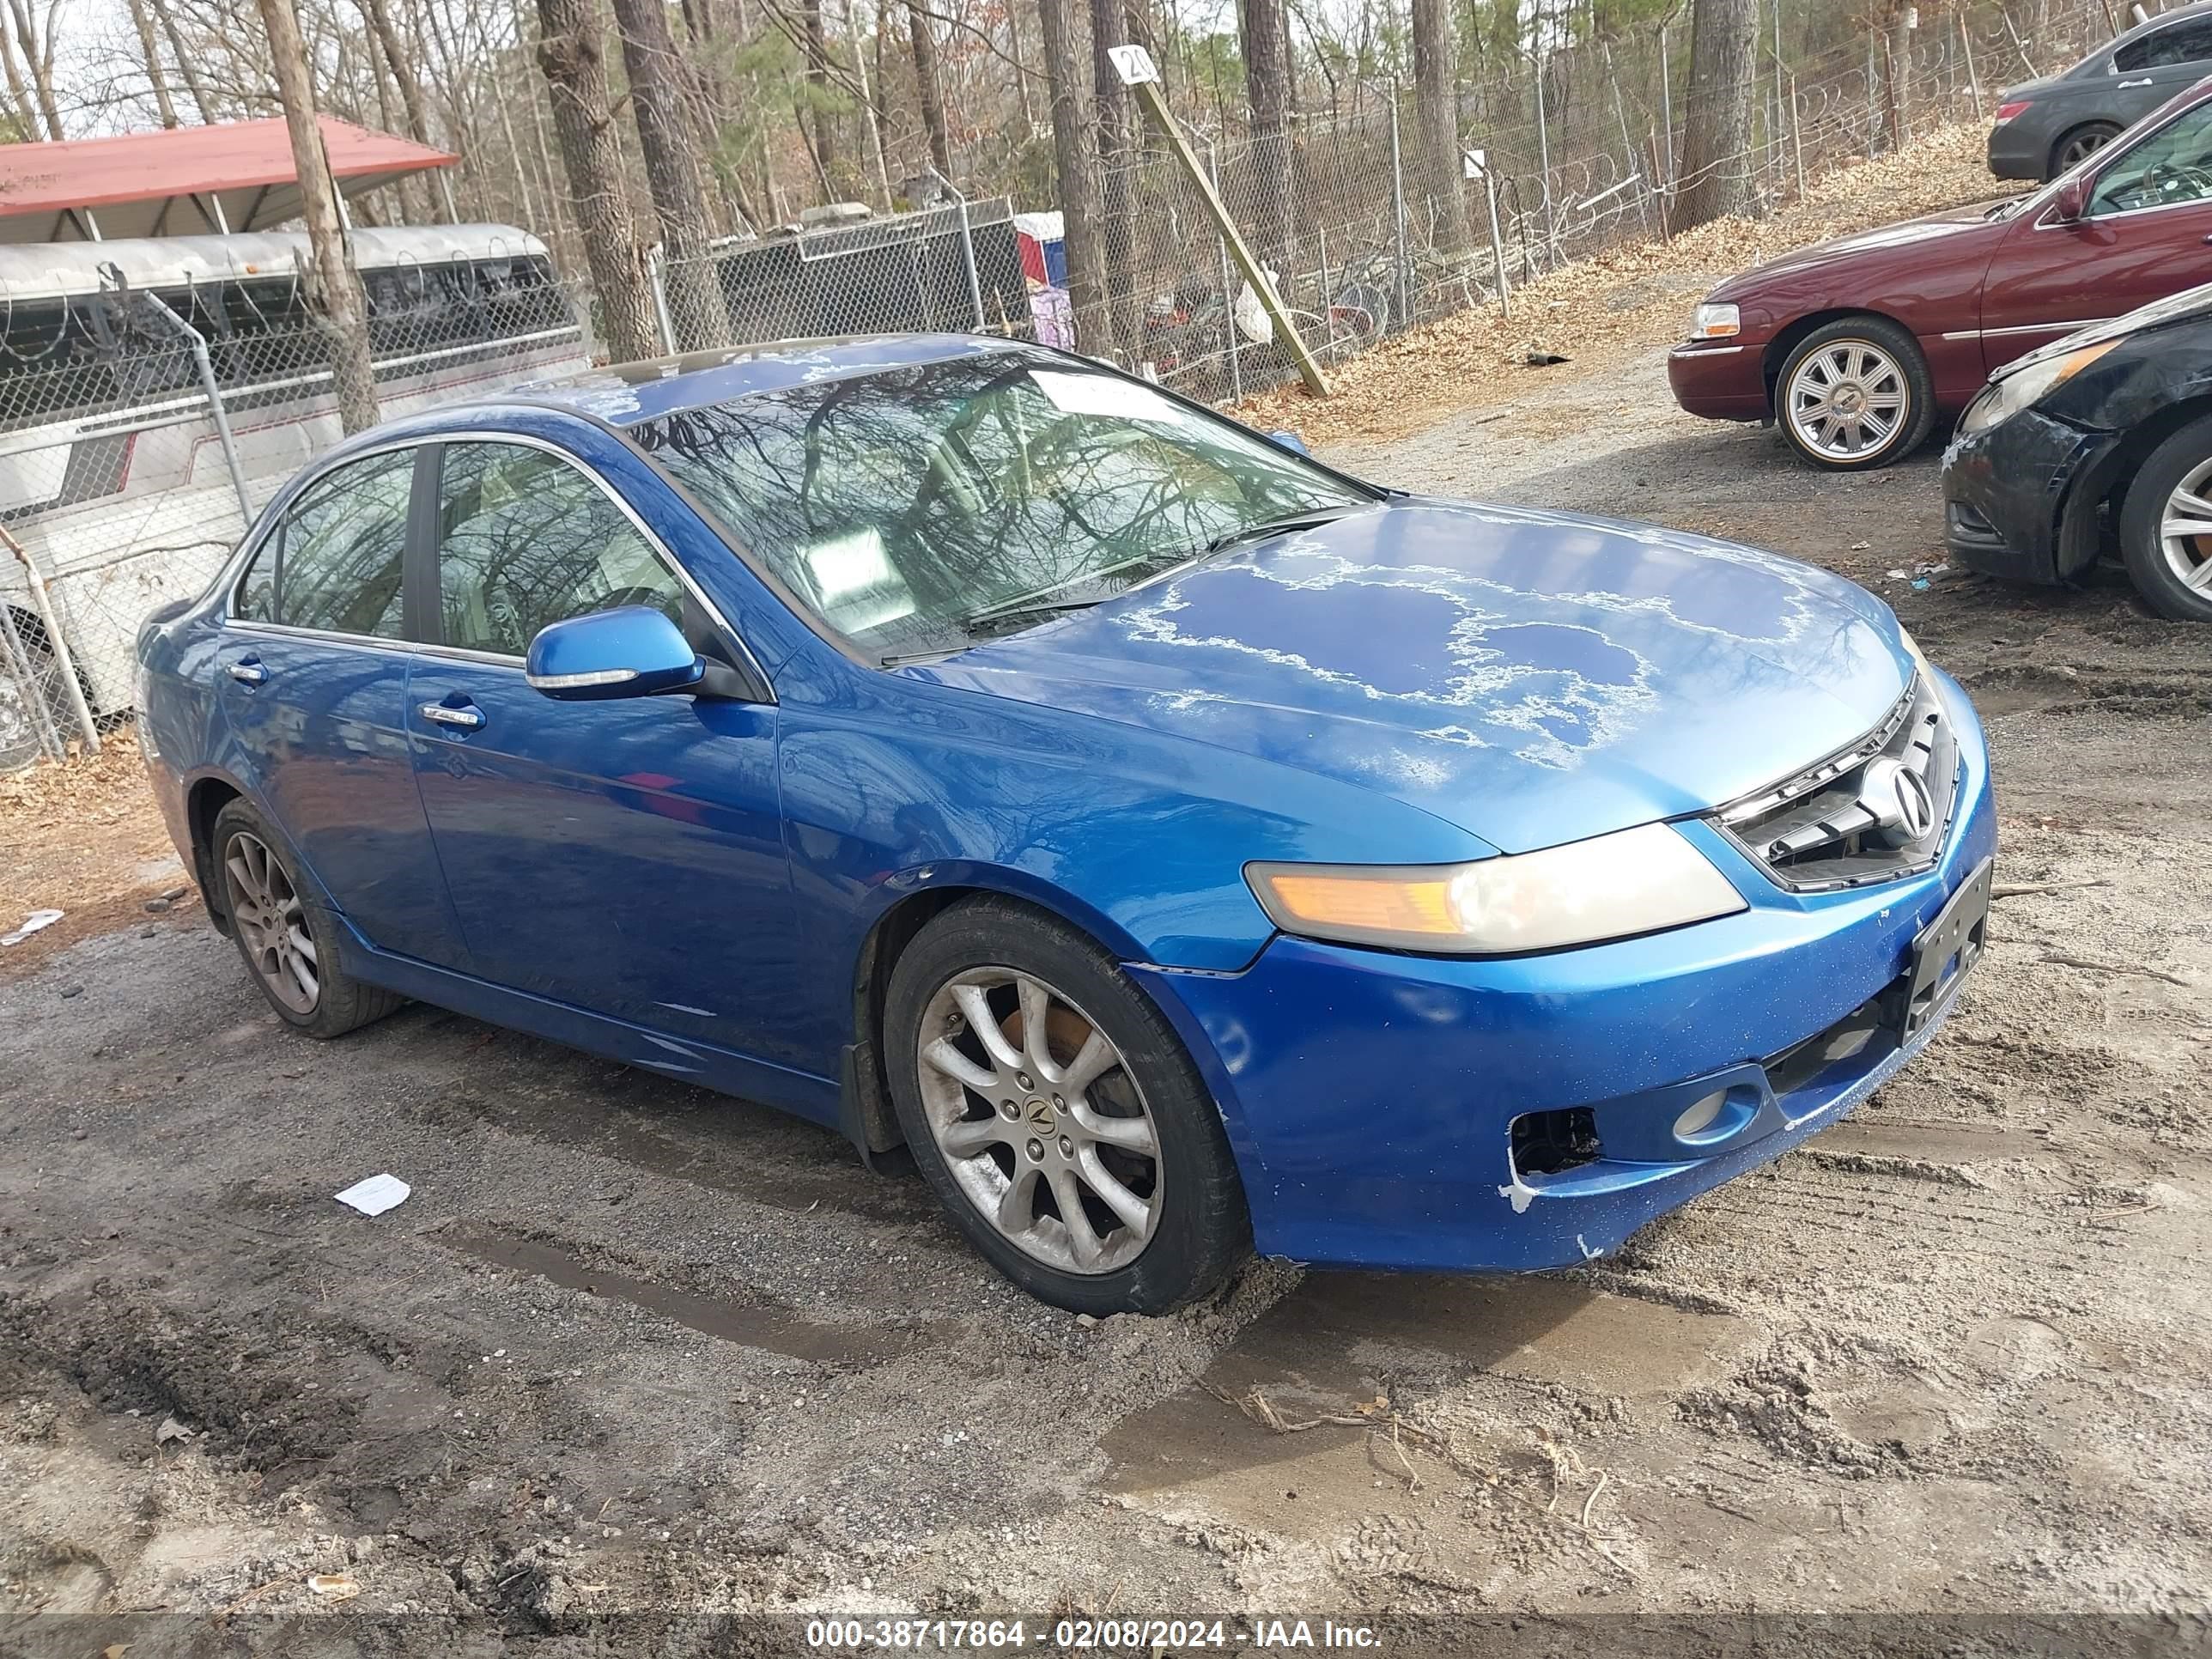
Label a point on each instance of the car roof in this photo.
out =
(624, 394)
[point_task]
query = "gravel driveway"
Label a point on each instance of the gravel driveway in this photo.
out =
(631, 1347)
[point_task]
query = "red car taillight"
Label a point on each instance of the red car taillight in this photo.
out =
(2006, 111)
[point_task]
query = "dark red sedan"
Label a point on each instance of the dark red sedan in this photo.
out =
(1853, 347)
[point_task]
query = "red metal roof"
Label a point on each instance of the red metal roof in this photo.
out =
(236, 175)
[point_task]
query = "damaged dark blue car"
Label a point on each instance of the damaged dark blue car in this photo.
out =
(1169, 844)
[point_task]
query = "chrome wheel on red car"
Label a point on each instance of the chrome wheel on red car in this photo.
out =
(1855, 394)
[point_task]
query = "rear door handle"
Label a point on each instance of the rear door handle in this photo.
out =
(468, 719)
(2129, 86)
(249, 671)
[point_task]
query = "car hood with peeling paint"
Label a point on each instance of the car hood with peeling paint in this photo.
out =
(1533, 677)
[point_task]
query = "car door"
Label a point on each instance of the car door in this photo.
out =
(2141, 235)
(2150, 68)
(624, 856)
(313, 683)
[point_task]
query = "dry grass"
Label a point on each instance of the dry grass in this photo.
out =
(1628, 299)
(84, 838)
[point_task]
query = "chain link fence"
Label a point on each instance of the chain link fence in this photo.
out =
(145, 419)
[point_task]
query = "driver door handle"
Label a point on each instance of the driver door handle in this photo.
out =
(248, 670)
(2129, 86)
(468, 719)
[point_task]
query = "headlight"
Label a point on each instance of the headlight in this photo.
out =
(1716, 323)
(1636, 881)
(2002, 399)
(1919, 657)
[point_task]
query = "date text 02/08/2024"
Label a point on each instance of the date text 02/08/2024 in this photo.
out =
(1084, 1635)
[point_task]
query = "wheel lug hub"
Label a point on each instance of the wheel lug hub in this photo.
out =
(1036, 1150)
(1066, 1147)
(1008, 1110)
(1021, 1078)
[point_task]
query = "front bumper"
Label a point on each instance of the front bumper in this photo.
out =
(1371, 1098)
(1722, 380)
(2020, 498)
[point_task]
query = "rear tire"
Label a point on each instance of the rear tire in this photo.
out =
(2171, 567)
(1855, 394)
(289, 946)
(2074, 146)
(1131, 1139)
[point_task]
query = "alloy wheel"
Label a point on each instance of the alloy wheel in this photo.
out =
(1848, 400)
(2079, 148)
(1039, 1119)
(270, 922)
(2184, 531)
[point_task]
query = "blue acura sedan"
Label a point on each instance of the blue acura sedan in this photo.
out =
(1173, 845)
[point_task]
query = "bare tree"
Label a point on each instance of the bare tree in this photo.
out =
(575, 65)
(1076, 175)
(671, 172)
(333, 286)
(191, 76)
(34, 40)
(928, 91)
(150, 50)
(1116, 157)
(817, 81)
(1267, 84)
(1715, 174)
(1436, 117)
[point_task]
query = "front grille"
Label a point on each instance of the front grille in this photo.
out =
(1873, 812)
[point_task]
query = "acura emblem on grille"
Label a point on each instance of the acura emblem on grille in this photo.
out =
(1898, 798)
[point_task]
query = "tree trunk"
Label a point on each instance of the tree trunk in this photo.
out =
(1116, 159)
(38, 59)
(1267, 84)
(1900, 73)
(818, 82)
(395, 58)
(571, 55)
(671, 172)
(929, 92)
(333, 286)
(193, 84)
(1076, 177)
(151, 49)
(1436, 116)
(1714, 178)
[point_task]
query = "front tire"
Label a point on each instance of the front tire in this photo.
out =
(1855, 394)
(2166, 527)
(289, 944)
(1058, 1115)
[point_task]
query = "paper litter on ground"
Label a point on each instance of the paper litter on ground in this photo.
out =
(376, 1194)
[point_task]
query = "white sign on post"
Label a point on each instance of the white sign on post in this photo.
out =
(1477, 162)
(1133, 64)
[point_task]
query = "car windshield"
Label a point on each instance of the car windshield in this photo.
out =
(915, 509)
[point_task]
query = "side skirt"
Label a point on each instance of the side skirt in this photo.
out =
(728, 1072)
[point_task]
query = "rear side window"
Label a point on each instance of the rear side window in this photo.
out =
(335, 563)
(2183, 43)
(526, 539)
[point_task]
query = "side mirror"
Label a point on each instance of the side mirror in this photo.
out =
(2071, 202)
(631, 651)
(1290, 440)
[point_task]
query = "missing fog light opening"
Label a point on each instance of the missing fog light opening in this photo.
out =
(1698, 1116)
(1545, 1142)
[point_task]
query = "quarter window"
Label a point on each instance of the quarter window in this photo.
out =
(335, 562)
(527, 540)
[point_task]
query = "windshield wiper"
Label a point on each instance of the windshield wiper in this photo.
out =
(1283, 525)
(983, 623)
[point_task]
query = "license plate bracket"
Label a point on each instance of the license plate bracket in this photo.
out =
(1945, 949)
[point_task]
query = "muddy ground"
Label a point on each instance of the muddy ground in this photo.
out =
(630, 1346)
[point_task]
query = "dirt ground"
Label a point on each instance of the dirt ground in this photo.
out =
(631, 1348)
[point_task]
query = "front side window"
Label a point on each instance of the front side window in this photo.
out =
(335, 562)
(909, 507)
(2183, 42)
(526, 539)
(2172, 167)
